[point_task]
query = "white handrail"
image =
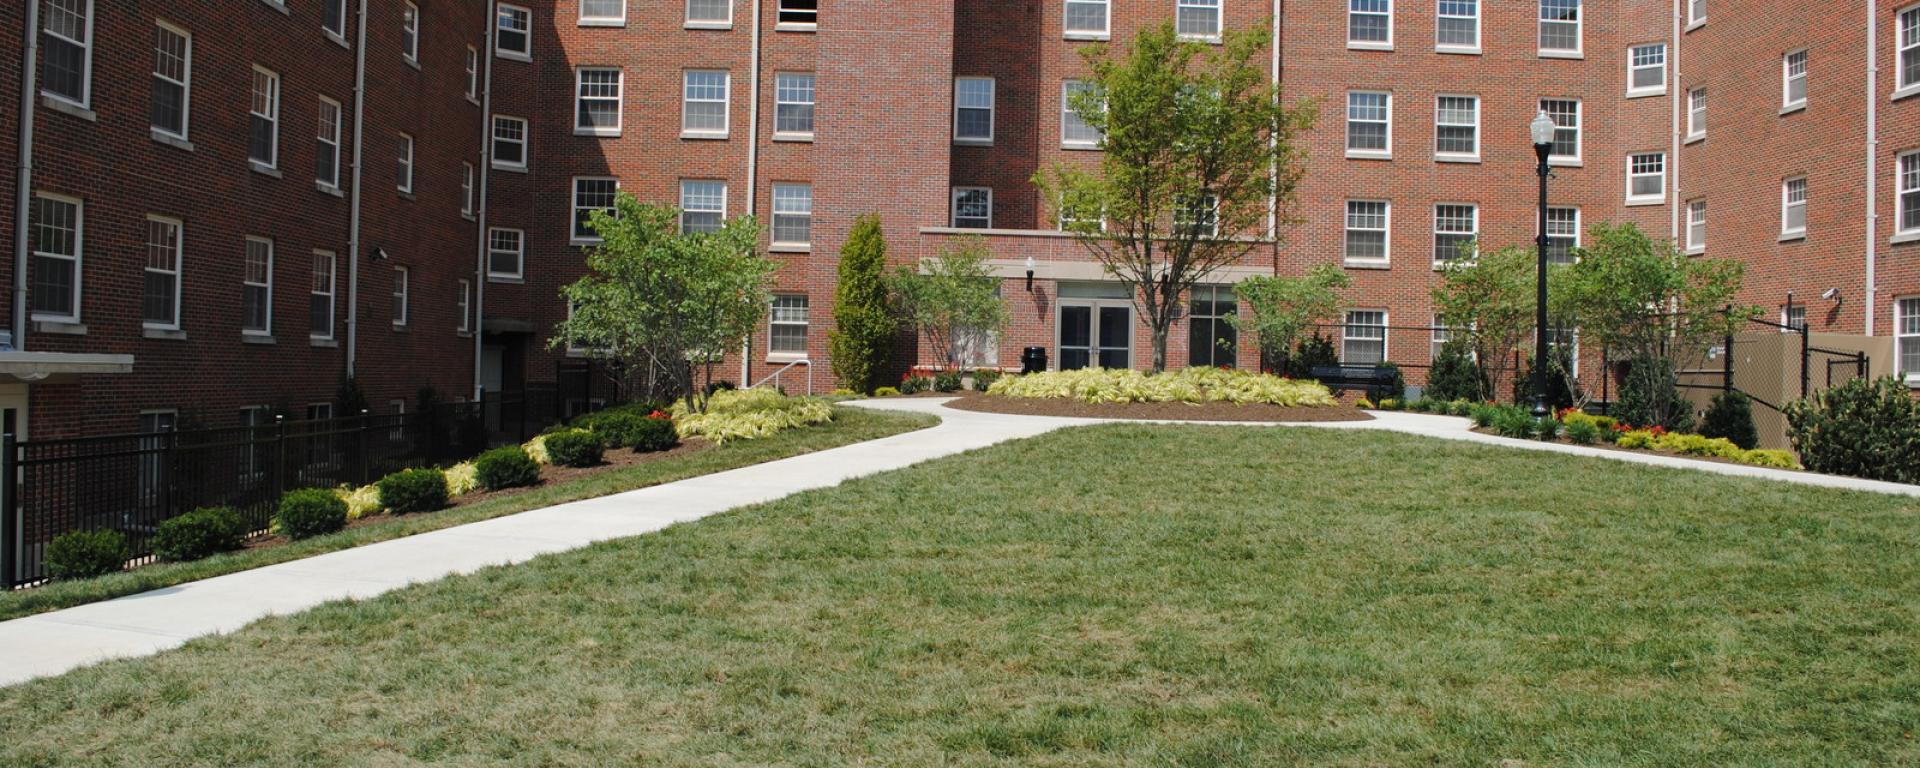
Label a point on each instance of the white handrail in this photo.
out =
(787, 367)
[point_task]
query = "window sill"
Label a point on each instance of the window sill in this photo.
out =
(509, 168)
(1565, 162)
(401, 328)
(578, 242)
(1086, 37)
(1904, 237)
(278, 6)
(65, 107)
(1662, 91)
(463, 333)
(598, 133)
(1080, 147)
(603, 22)
(1440, 158)
(411, 62)
(1695, 250)
(1569, 55)
(714, 26)
(473, 99)
(162, 137)
(786, 358)
(322, 342)
(703, 136)
(1792, 108)
(1904, 92)
(506, 280)
(1369, 154)
(1693, 25)
(1441, 266)
(800, 138)
(1462, 50)
(973, 142)
(173, 334)
(790, 248)
(468, 215)
(1788, 237)
(1367, 264)
(265, 170)
(1366, 46)
(513, 56)
(405, 195)
(338, 39)
(59, 327)
(328, 189)
(1639, 201)
(795, 26)
(1694, 139)
(257, 338)
(1208, 39)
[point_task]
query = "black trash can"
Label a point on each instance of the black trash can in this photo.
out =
(1033, 360)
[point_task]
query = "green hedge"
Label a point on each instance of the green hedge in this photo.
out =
(414, 490)
(310, 512)
(197, 534)
(575, 448)
(85, 554)
(506, 467)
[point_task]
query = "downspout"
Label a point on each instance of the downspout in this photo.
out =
(483, 169)
(1873, 156)
(28, 84)
(359, 155)
(753, 170)
(1675, 202)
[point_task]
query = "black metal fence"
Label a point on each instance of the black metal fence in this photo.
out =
(131, 483)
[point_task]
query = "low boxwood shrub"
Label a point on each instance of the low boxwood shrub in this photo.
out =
(1864, 428)
(415, 490)
(915, 384)
(618, 428)
(576, 448)
(506, 467)
(86, 554)
(946, 381)
(888, 392)
(654, 434)
(308, 512)
(197, 534)
(984, 378)
(1777, 459)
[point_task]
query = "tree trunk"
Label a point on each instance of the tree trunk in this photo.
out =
(1160, 345)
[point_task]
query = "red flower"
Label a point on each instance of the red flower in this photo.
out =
(660, 415)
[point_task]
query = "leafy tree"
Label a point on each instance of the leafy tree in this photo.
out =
(672, 300)
(951, 294)
(863, 326)
(1488, 299)
(1200, 150)
(1455, 375)
(1284, 308)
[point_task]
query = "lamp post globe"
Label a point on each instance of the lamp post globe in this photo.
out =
(1542, 129)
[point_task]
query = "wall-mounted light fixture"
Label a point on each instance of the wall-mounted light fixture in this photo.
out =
(1030, 265)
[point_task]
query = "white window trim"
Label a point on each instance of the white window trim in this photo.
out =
(467, 181)
(403, 292)
(686, 16)
(795, 26)
(1371, 154)
(186, 85)
(603, 21)
(1576, 223)
(1903, 234)
(473, 74)
(993, 112)
(1786, 81)
(780, 135)
(465, 306)
(279, 93)
(807, 332)
(520, 255)
(1579, 134)
(493, 138)
(684, 210)
(86, 62)
(1696, 246)
(410, 34)
(619, 101)
(79, 258)
(337, 35)
(1479, 12)
(405, 181)
(1220, 18)
(1578, 51)
(1105, 32)
(508, 53)
(1386, 332)
(773, 198)
(1903, 90)
(1695, 132)
(1661, 89)
(268, 285)
(1066, 93)
(1366, 45)
(726, 103)
(179, 267)
(1386, 251)
(1694, 22)
(953, 206)
(338, 116)
(1433, 228)
(574, 207)
(1647, 199)
(1457, 157)
(1801, 232)
(1912, 377)
(332, 294)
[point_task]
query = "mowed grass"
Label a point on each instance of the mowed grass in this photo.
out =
(1107, 596)
(850, 425)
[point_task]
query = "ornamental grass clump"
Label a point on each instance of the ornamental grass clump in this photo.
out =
(749, 414)
(361, 501)
(1189, 385)
(462, 478)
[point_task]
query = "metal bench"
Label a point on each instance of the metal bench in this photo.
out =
(1375, 379)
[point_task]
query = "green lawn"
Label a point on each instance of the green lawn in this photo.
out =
(850, 425)
(1117, 595)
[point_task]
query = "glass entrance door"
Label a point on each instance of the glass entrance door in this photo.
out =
(1076, 337)
(1095, 333)
(1115, 339)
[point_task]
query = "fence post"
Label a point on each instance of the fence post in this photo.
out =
(279, 457)
(363, 446)
(167, 459)
(9, 509)
(1806, 360)
(1726, 353)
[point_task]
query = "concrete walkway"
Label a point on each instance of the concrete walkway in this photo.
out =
(150, 622)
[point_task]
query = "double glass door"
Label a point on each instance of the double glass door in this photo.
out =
(1095, 333)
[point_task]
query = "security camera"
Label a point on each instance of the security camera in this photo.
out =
(1830, 294)
(379, 254)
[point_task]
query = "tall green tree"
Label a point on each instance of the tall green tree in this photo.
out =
(667, 300)
(950, 296)
(1286, 308)
(863, 325)
(1201, 153)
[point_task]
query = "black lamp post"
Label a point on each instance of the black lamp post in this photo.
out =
(1542, 128)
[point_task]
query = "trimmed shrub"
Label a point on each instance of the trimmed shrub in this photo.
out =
(946, 381)
(536, 449)
(462, 478)
(1731, 416)
(886, 392)
(983, 378)
(197, 534)
(576, 448)
(506, 467)
(653, 435)
(1635, 438)
(309, 512)
(414, 490)
(1769, 458)
(1697, 445)
(863, 325)
(1583, 432)
(1862, 428)
(617, 428)
(913, 385)
(86, 554)
(1454, 375)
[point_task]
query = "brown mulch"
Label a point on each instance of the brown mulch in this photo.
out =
(1035, 406)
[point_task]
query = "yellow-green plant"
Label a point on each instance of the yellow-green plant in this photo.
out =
(462, 478)
(1639, 438)
(537, 449)
(1189, 385)
(1697, 445)
(1762, 457)
(749, 414)
(361, 501)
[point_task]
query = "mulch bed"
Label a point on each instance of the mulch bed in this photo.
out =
(1035, 406)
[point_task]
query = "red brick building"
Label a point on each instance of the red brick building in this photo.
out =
(220, 223)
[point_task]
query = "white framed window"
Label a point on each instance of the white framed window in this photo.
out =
(1646, 70)
(160, 299)
(1442, 334)
(1793, 208)
(53, 277)
(1793, 318)
(973, 110)
(506, 249)
(513, 33)
(1697, 113)
(327, 145)
(509, 143)
(410, 34)
(263, 137)
(403, 171)
(1560, 28)
(709, 14)
(1566, 130)
(1456, 129)
(397, 409)
(792, 214)
(603, 13)
(1563, 234)
(703, 105)
(1363, 337)
(1074, 130)
(1212, 340)
(256, 288)
(973, 207)
(1696, 13)
(1697, 226)
(466, 189)
(597, 101)
(333, 18)
(703, 205)
(1370, 24)
(787, 325)
(1197, 19)
(66, 50)
(463, 303)
(1368, 222)
(591, 193)
(1455, 225)
(401, 289)
(473, 74)
(172, 79)
(1793, 80)
(1908, 44)
(1456, 26)
(1646, 178)
(1086, 19)
(1197, 215)
(1907, 193)
(320, 296)
(1906, 334)
(1369, 124)
(793, 103)
(798, 15)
